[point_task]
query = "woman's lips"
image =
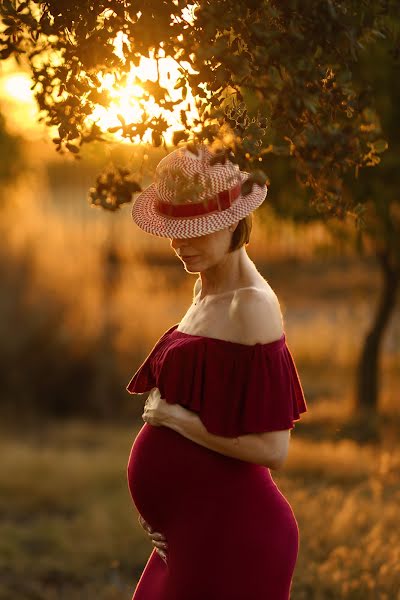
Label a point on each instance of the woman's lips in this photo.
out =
(189, 257)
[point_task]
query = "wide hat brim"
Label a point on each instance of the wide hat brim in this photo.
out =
(146, 217)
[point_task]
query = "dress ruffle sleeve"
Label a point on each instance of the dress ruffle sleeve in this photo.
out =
(234, 388)
(143, 380)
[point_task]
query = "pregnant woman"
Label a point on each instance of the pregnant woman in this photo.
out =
(223, 394)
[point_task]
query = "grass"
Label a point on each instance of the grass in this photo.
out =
(68, 523)
(69, 529)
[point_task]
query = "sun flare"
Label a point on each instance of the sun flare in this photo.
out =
(129, 98)
(132, 101)
(18, 103)
(18, 87)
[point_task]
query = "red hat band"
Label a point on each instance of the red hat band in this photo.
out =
(221, 201)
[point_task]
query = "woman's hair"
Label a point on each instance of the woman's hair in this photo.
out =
(241, 235)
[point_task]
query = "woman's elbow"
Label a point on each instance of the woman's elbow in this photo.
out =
(277, 453)
(277, 459)
(277, 463)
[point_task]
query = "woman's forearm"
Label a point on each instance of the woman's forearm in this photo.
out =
(247, 447)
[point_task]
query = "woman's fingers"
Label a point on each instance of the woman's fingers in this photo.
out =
(160, 545)
(157, 538)
(142, 521)
(163, 555)
(144, 524)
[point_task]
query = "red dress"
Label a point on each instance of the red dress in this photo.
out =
(231, 533)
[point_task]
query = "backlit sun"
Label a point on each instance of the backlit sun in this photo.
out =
(131, 102)
(126, 98)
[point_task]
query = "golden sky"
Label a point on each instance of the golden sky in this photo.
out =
(18, 103)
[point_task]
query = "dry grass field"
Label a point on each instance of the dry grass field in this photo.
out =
(69, 530)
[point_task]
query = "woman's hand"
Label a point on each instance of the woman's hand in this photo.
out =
(157, 539)
(158, 411)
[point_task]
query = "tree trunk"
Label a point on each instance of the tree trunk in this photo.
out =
(367, 372)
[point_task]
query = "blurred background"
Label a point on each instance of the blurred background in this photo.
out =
(84, 296)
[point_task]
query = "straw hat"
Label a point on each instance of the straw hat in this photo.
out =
(190, 197)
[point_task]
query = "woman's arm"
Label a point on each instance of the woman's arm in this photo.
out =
(258, 448)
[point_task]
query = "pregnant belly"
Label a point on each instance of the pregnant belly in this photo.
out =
(171, 477)
(221, 516)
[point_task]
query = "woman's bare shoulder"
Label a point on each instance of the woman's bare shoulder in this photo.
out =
(257, 315)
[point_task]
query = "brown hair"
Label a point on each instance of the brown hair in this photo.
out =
(241, 235)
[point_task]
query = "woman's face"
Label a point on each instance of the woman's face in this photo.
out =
(202, 252)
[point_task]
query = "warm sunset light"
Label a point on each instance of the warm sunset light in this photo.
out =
(132, 99)
(18, 102)
(128, 97)
(18, 87)
(155, 311)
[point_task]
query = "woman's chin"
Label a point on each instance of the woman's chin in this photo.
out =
(190, 269)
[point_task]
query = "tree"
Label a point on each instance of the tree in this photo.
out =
(269, 79)
(378, 190)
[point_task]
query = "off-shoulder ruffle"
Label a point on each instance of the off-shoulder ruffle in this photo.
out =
(143, 380)
(234, 388)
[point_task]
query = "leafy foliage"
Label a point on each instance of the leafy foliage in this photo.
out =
(113, 188)
(268, 78)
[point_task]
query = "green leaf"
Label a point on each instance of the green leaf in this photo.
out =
(380, 146)
(193, 149)
(72, 148)
(179, 136)
(133, 186)
(156, 138)
(247, 186)
(259, 177)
